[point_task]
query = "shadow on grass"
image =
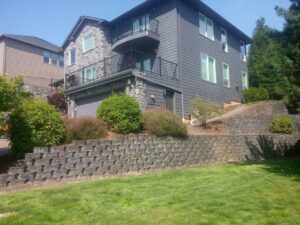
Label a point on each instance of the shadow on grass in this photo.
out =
(283, 159)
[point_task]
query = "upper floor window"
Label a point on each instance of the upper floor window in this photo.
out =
(72, 56)
(88, 43)
(226, 75)
(89, 74)
(208, 68)
(144, 65)
(245, 81)
(141, 23)
(206, 27)
(54, 59)
(243, 51)
(46, 57)
(224, 40)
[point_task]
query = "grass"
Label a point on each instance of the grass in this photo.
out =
(248, 194)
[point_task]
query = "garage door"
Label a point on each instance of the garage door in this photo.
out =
(88, 106)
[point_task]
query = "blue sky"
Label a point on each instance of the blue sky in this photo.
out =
(53, 20)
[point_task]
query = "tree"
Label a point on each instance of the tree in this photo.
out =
(11, 92)
(267, 61)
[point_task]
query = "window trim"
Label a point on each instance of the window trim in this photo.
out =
(90, 35)
(47, 55)
(206, 27)
(223, 64)
(207, 68)
(70, 57)
(247, 80)
(243, 56)
(226, 36)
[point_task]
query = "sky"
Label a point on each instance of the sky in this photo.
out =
(53, 20)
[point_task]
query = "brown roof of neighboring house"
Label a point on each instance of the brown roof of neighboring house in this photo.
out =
(38, 42)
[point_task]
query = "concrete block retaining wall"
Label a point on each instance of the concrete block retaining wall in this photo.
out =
(141, 154)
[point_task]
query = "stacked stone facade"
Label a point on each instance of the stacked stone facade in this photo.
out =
(142, 154)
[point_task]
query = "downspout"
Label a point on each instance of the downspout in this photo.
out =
(4, 57)
(179, 57)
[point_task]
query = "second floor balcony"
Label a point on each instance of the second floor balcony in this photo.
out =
(147, 66)
(138, 33)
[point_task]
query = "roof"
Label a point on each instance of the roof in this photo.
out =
(38, 42)
(78, 25)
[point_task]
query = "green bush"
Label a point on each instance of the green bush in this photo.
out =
(282, 125)
(204, 110)
(255, 94)
(121, 113)
(34, 123)
(84, 128)
(163, 123)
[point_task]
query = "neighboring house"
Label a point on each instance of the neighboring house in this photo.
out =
(163, 53)
(39, 62)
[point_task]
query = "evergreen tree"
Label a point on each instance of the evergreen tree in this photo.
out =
(267, 61)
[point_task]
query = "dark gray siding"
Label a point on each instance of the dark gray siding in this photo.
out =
(88, 106)
(192, 43)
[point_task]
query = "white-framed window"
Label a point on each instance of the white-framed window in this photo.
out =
(54, 59)
(141, 23)
(88, 42)
(72, 56)
(224, 40)
(226, 75)
(206, 27)
(245, 81)
(208, 68)
(89, 74)
(243, 51)
(46, 57)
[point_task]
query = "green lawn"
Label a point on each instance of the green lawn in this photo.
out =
(262, 193)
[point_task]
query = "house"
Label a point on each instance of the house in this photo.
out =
(163, 53)
(38, 61)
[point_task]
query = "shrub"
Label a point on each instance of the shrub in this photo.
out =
(204, 110)
(255, 94)
(34, 123)
(59, 100)
(121, 113)
(163, 123)
(84, 128)
(282, 125)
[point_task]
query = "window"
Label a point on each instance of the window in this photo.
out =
(243, 51)
(141, 23)
(89, 74)
(54, 59)
(226, 75)
(245, 80)
(224, 42)
(61, 61)
(46, 57)
(208, 68)
(88, 43)
(72, 57)
(206, 27)
(144, 65)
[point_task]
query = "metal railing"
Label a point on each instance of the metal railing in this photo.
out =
(128, 30)
(131, 60)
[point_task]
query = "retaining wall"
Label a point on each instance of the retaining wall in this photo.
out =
(140, 154)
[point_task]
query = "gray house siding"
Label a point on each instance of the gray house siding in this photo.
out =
(192, 44)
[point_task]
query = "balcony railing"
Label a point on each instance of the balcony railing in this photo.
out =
(132, 60)
(125, 31)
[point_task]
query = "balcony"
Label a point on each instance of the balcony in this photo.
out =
(137, 35)
(121, 65)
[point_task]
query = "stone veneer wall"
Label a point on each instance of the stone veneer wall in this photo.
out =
(141, 154)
